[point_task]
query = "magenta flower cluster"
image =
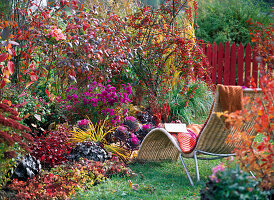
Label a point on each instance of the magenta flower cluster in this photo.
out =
(83, 122)
(98, 99)
(130, 118)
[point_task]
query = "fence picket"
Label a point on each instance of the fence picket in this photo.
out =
(247, 65)
(232, 66)
(240, 65)
(220, 63)
(208, 54)
(232, 79)
(214, 63)
(227, 63)
(255, 66)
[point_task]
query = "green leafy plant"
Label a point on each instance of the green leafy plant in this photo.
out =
(222, 21)
(190, 104)
(232, 184)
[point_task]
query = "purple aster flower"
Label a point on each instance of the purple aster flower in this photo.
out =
(113, 89)
(128, 89)
(104, 93)
(104, 112)
(111, 112)
(117, 118)
(75, 97)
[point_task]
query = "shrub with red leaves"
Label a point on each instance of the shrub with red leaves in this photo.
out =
(13, 140)
(52, 149)
(63, 181)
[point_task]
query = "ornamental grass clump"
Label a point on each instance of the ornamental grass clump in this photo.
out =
(97, 133)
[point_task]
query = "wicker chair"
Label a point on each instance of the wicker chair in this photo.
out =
(160, 145)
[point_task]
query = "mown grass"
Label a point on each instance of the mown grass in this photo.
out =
(165, 180)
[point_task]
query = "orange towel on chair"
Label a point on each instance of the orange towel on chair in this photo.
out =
(230, 97)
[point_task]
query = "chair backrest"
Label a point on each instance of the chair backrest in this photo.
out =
(213, 137)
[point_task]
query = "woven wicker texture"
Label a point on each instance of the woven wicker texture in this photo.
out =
(160, 145)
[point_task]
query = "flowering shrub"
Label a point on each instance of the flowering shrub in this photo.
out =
(97, 102)
(14, 139)
(52, 149)
(70, 39)
(232, 184)
(63, 181)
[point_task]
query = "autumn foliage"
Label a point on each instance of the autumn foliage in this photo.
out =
(256, 156)
(14, 139)
(262, 37)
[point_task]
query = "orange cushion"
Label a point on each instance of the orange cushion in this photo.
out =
(188, 140)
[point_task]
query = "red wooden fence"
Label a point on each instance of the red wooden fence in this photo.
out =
(231, 65)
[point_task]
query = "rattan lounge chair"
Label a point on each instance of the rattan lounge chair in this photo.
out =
(160, 145)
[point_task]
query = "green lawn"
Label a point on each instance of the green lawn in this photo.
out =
(165, 180)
